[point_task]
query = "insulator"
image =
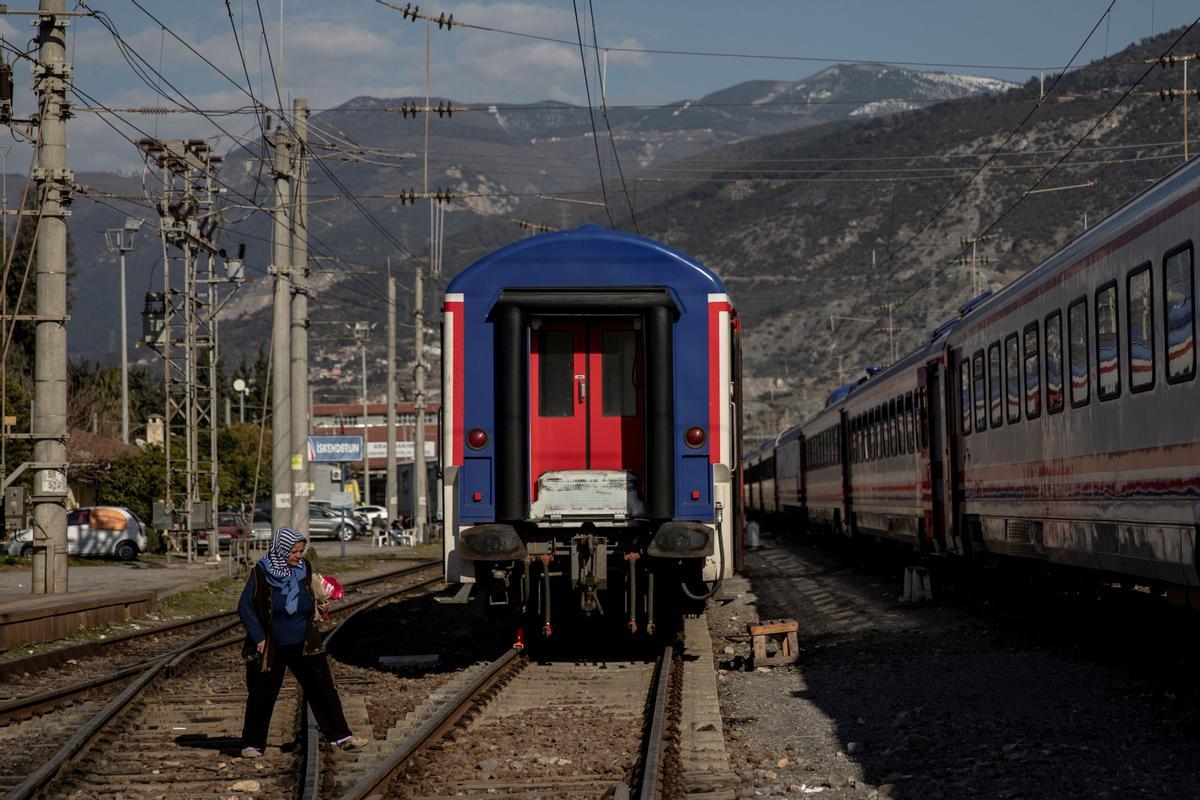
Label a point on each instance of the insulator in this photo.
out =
(411, 11)
(444, 20)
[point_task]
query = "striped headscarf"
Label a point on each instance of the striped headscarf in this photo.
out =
(280, 574)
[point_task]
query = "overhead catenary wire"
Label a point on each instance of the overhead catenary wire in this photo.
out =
(592, 116)
(924, 226)
(285, 120)
(604, 113)
(1012, 207)
(450, 22)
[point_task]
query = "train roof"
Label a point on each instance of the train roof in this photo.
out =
(1171, 189)
(586, 256)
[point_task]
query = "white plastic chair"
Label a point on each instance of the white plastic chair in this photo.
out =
(406, 538)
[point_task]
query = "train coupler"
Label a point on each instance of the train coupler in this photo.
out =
(519, 641)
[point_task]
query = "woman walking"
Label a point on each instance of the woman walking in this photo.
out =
(279, 612)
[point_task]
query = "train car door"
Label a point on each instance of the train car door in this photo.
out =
(932, 467)
(586, 396)
(844, 462)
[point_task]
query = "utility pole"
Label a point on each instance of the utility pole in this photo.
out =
(420, 491)
(891, 330)
(975, 261)
(50, 357)
(281, 409)
(120, 240)
(1171, 94)
(362, 333)
(299, 323)
(390, 499)
(182, 328)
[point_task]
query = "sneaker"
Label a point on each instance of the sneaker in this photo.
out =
(352, 743)
(251, 752)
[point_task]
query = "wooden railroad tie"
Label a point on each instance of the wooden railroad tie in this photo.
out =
(781, 633)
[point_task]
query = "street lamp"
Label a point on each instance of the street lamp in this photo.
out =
(120, 240)
(242, 388)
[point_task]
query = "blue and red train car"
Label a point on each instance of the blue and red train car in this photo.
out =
(590, 395)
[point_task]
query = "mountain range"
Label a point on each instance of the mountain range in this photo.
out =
(835, 208)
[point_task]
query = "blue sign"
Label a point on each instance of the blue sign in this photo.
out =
(334, 448)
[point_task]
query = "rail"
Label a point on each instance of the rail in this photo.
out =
(167, 664)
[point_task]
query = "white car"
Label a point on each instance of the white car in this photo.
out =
(94, 531)
(371, 513)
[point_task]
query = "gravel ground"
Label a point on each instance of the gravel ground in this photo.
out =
(999, 689)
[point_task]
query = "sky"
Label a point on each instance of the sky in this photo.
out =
(332, 52)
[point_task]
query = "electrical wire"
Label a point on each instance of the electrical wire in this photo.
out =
(604, 113)
(908, 298)
(592, 116)
(1011, 134)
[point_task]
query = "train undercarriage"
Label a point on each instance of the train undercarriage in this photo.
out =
(638, 578)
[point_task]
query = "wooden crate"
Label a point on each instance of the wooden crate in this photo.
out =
(782, 633)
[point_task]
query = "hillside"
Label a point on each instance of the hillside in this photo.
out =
(501, 155)
(803, 213)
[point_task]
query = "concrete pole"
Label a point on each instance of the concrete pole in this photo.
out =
(50, 355)
(281, 410)
(391, 499)
(362, 344)
(420, 491)
(124, 360)
(299, 344)
(214, 357)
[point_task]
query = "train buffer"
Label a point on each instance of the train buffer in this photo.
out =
(775, 642)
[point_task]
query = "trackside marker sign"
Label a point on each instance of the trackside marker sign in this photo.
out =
(334, 448)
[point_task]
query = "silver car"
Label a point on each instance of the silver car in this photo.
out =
(322, 523)
(94, 531)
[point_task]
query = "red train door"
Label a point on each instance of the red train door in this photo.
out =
(587, 396)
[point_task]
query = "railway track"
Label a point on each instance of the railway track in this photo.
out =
(520, 729)
(507, 727)
(192, 698)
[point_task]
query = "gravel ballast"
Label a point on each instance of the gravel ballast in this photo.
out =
(1051, 695)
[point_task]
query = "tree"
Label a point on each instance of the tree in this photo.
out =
(238, 454)
(135, 480)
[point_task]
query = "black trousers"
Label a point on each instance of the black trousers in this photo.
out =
(315, 678)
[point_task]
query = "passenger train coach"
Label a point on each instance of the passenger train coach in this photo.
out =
(1055, 420)
(590, 428)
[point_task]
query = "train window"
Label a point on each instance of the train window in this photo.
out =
(1179, 308)
(1140, 325)
(618, 390)
(980, 391)
(1054, 362)
(1033, 373)
(995, 404)
(1012, 379)
(877, 432)
(1108, 343)
(898, 425)
(964, 393)
(890, 411)
(894, 428)
(556, 374)
(1077, 352)
(909, 427)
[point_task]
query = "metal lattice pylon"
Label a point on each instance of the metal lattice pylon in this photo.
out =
(188, 220)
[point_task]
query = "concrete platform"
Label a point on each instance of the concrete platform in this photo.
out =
(26, 618)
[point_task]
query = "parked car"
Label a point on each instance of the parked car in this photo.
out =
(372, 513)
(94, 531)
(231, 525)
(323, 522)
